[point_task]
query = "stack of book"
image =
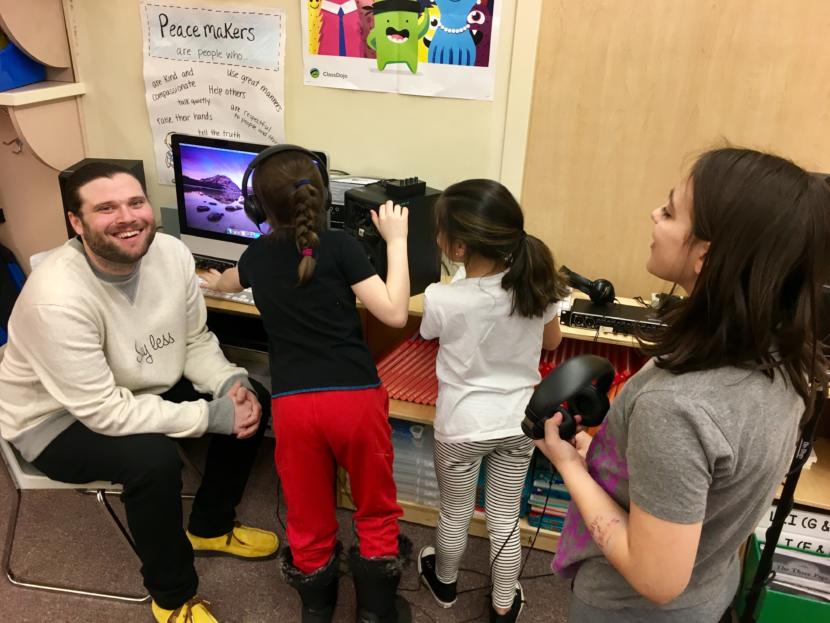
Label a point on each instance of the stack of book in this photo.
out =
(801, 573)
(548, 501)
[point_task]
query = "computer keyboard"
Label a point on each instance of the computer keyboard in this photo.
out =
(206, 263)
(246, 297)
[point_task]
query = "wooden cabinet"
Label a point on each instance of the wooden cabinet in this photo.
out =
(41, 130)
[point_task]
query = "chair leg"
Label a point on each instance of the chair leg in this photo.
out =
(101, 496)
(54, 587)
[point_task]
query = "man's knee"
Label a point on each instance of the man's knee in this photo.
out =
(262, 394)
(154, 458)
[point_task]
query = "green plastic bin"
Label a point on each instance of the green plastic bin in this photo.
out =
(773, 606)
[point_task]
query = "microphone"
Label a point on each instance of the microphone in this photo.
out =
(601, 291)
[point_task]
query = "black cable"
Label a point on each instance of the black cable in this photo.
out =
(480, 615)
(279, 519)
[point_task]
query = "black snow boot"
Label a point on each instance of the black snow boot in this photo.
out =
(376, 586)
(318, 590)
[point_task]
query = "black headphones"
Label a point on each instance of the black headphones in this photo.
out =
(253, 209)
(600, 291)
(583, 382)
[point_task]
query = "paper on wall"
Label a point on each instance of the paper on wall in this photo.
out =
(215, 72)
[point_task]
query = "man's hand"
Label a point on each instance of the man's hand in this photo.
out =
(246, 411)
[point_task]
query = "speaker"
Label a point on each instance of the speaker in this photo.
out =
(423, 254)
(135, 167)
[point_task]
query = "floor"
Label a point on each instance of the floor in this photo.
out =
(63, 536)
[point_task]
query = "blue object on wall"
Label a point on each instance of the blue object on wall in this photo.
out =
(17, 69)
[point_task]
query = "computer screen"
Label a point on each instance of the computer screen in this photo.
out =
(208, 177)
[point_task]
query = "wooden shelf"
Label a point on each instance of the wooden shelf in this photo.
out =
(424, 515)
(813, 488)
(40, 92)
(603, 337)
(39, 29)
(45, 115)
(428, 516)
(411, 412)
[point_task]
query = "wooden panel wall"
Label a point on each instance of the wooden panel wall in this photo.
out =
(627, 92)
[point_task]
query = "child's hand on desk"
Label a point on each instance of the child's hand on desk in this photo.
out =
(210, 279)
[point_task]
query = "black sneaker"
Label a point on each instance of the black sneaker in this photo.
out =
(515, 609)
(444, 594)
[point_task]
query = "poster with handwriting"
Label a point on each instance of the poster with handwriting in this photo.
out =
(214, 72)
(439, 48)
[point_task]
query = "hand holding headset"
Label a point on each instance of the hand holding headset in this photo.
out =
(583, 383)
(600, 291)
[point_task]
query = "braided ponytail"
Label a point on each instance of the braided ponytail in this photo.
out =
(291, 191)
(305, 199)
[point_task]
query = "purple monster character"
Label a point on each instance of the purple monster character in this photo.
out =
(480, 19)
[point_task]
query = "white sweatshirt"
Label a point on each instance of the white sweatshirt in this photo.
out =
(85, 346)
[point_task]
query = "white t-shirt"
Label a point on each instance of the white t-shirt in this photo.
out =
(488, 360)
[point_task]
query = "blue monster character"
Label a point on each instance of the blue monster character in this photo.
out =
(453, 42)
(396, 32)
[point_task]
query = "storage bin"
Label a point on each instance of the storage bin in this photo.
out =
(17, 69)
(774, 606)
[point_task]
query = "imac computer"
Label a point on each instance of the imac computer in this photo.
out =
(208, 178)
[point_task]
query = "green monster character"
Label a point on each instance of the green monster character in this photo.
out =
(397, 31)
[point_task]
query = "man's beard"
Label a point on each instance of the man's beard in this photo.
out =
(103, 247)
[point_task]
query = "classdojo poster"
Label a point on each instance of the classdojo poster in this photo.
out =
(439, 48)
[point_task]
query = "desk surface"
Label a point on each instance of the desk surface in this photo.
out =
(416, 308)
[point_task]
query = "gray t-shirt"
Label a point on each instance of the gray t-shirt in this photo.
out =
(707, 447)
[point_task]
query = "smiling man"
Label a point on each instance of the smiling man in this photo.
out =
(108, 360)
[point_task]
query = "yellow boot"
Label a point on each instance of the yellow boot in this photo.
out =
(241, 541)
(194, 611)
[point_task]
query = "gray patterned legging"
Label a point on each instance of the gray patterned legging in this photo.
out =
(457, 466)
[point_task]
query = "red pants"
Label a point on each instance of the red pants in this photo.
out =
(316, 432)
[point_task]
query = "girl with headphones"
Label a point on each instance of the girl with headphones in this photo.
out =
(493, 320)
(693, 448)
(328, 405)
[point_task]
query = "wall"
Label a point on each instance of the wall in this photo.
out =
(464, 139)
(626, 93)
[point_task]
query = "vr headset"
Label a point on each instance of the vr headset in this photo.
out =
(579, 386)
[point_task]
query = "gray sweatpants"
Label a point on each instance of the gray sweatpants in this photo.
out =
(456, 467)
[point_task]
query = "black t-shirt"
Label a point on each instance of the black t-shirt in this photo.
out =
(314, 330)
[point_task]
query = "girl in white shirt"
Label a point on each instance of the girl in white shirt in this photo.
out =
(492, 321)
